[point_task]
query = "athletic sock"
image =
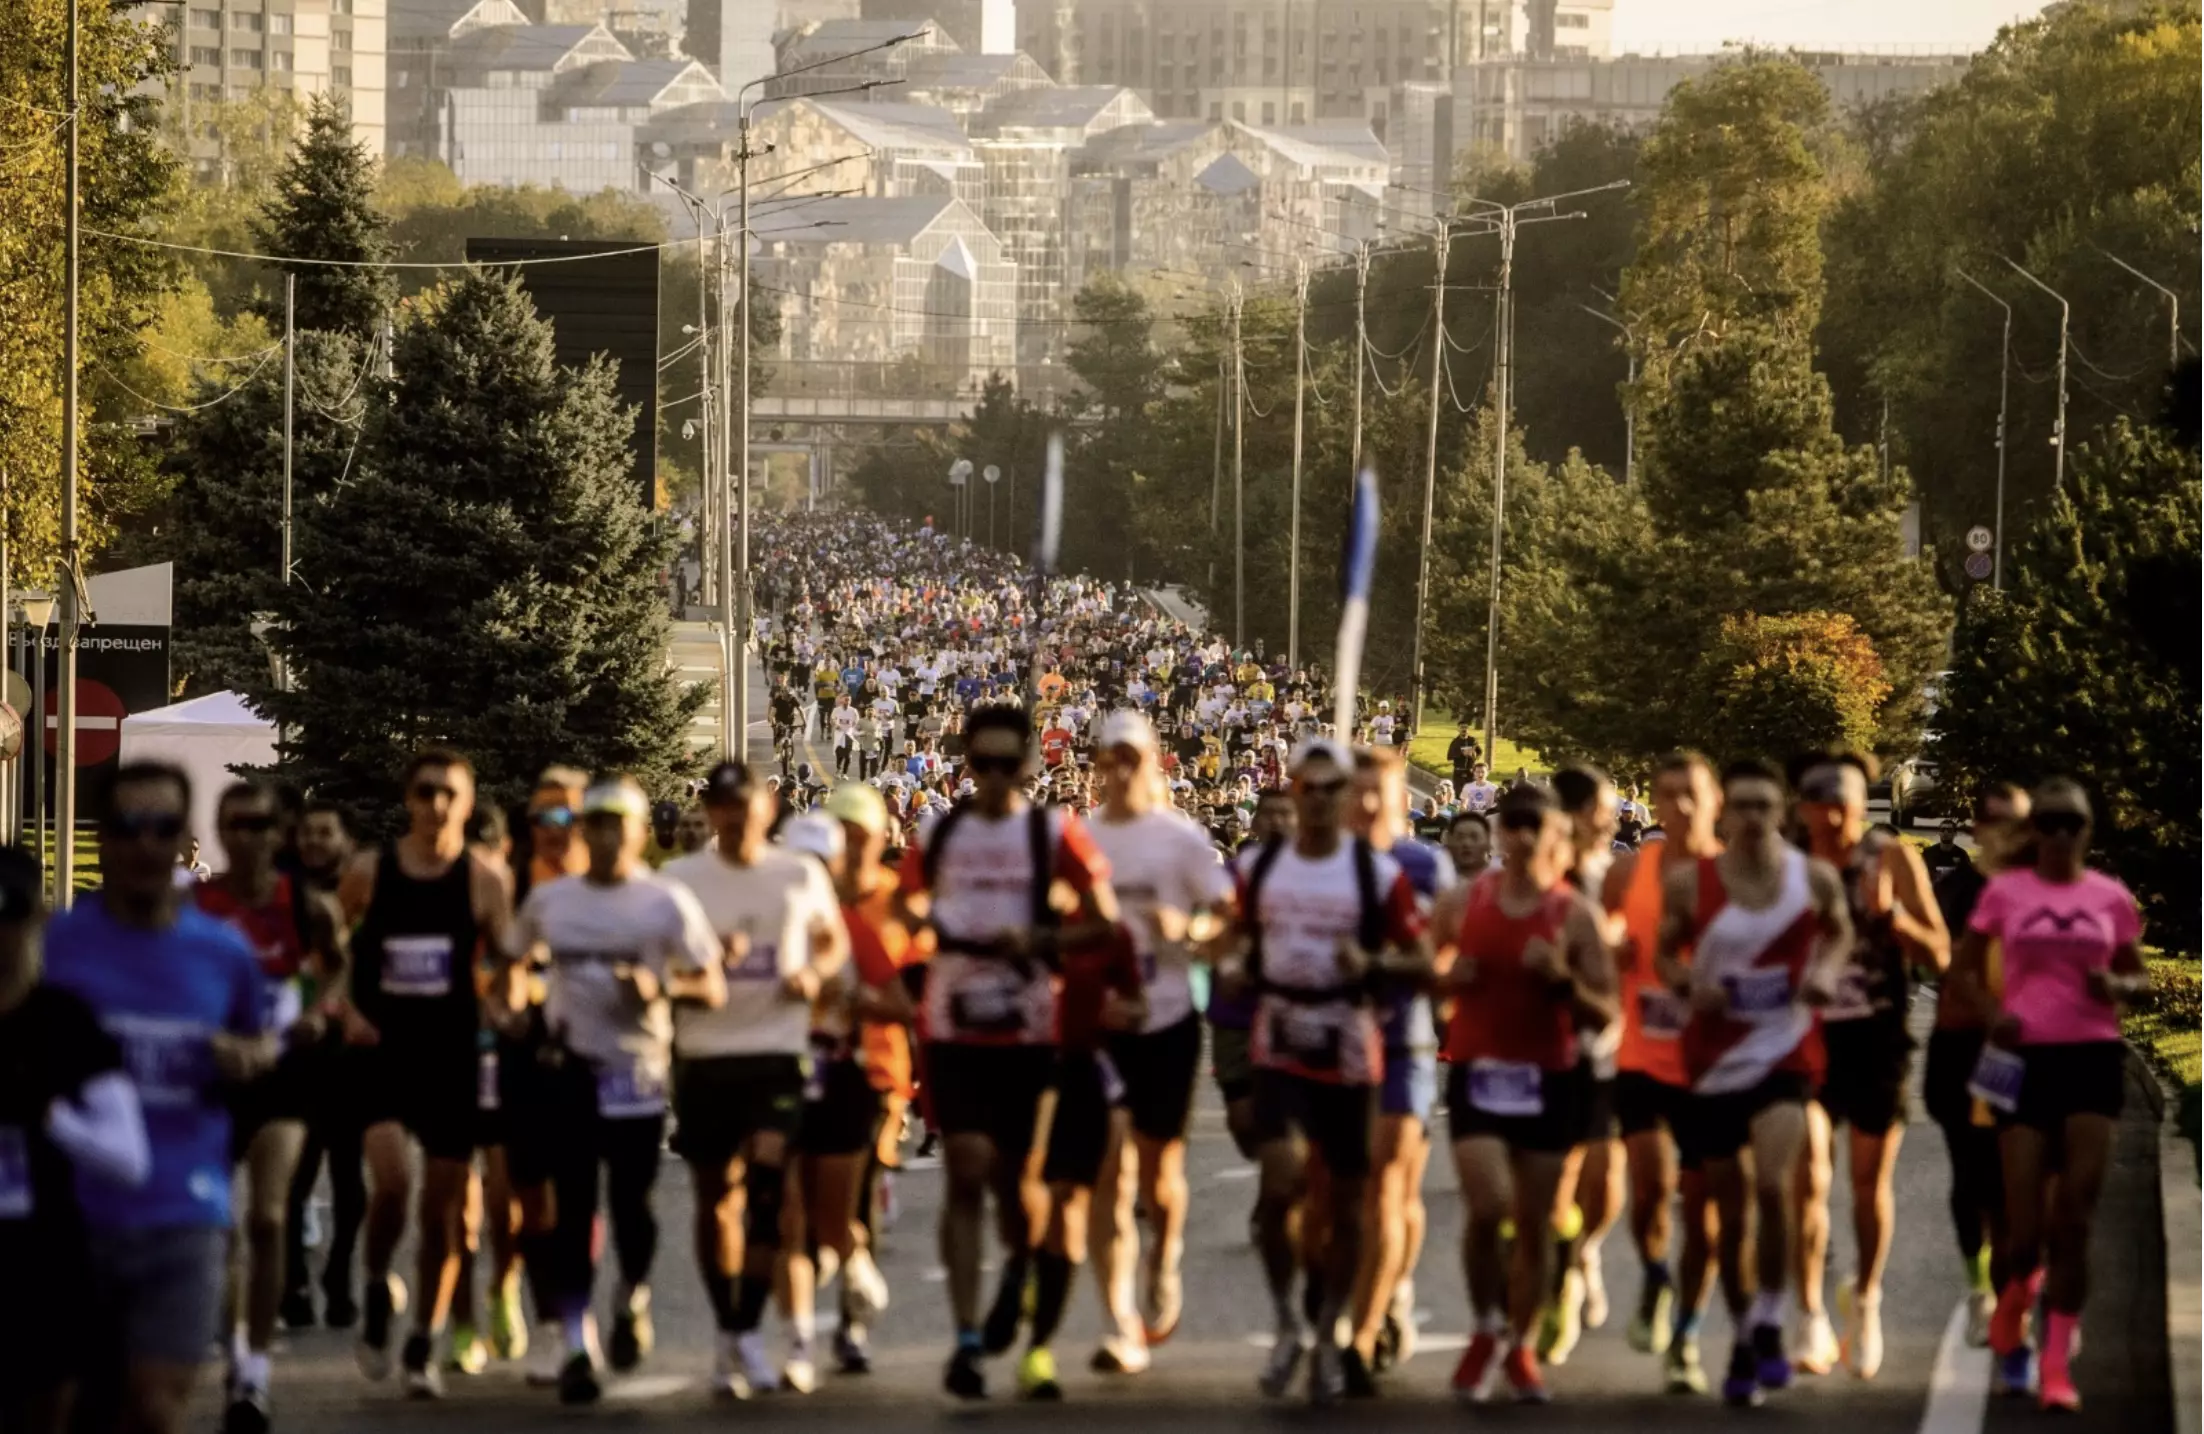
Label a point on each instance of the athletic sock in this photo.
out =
(1312, 1298)
(575, 1326)
(1687, 1324)
(1978, 1271)
(1568, 1230)
(1052, 1288)
(1767, 1310)
(253, 1369)
(751, 1293)
(538, 1263)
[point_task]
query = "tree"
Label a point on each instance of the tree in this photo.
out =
(2064, 672)
(1782, 685)
(486, 578)
(323, 208)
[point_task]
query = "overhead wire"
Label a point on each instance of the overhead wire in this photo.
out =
(225, 397)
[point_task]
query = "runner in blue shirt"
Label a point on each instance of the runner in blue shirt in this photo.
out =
(181, 993)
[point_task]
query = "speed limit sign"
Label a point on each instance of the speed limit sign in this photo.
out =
(1979, 539)
(1978, 566)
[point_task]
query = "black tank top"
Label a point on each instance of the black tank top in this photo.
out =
(414, 955)
(1875, 985)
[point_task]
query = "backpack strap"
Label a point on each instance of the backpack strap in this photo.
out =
(929, 860)
(1257, 874)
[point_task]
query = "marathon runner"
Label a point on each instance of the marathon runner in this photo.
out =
(1896, 926)
(324, 850)
(739, 1070)
(1230, 1012)
(2054, 1068)
(421, 907)
(1769, 935)
(1524, 957)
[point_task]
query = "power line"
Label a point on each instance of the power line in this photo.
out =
(281, 260)
(234, 389)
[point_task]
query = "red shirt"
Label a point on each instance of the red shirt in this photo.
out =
(1055, 744)
(1090, 973)
(270, 928)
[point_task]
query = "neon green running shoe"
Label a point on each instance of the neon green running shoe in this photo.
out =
(508, 1330)
(468, 1354)
(1037, 1376)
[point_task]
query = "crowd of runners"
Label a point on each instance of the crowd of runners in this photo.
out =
(1068, 857)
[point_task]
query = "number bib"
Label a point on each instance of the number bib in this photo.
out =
(170, 1062)
(15, 1173)
(1306, 1037)
(417, 965)
(1852, 1001)
(1758, 992)
(1113, 1084)
(281, 1006)
(628, 1093)
(762, 962)
(1661, 1015)
(989, 1008)
(1507, 1087)
(1997, 1079)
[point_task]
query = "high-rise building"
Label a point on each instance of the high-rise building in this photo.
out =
(734, 38)
(232, 49)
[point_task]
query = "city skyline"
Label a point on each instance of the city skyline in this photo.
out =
(1673, 26)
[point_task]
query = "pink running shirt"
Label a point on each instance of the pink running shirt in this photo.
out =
(2053, 934)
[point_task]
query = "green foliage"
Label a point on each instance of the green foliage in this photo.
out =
(2065, 672)
(322, 208)
(1781, 685)
(486, 579)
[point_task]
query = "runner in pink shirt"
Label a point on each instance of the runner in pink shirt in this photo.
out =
(2054, 1066)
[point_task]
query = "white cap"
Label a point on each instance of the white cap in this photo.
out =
(1126, 728)
(816, 833)
(1320, 749)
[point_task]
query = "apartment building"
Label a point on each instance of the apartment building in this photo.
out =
(232, 49)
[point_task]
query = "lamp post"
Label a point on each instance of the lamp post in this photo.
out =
(2058, 429)
(2173, 300)
(993, 475)
(65, 741)
(34, 610)
(1629, 414)
(2004, 381)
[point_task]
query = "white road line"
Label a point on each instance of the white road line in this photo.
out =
(1959, 1385)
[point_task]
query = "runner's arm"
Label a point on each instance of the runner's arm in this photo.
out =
(1915, 918)
(1970, 967)
(1591, 966)
(695, 973)
(1449, 967)
(1833, 918)
(1679, 908)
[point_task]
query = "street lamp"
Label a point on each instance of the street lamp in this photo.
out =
(2004, 379)
(993, 475)
(1629, 404)
(960, 479)
(2058, 431)
(33, 611)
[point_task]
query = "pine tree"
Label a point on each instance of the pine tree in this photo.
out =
(324, 208)
(487, 579)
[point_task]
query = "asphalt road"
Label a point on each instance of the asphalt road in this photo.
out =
(1204, 1379)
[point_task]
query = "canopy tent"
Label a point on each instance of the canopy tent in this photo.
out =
(209, 737)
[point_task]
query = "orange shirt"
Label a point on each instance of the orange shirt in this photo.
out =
(1652, 1016)
(881, 946)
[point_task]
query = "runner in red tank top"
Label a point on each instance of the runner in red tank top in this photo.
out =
(1523, 954)
(1768, 932)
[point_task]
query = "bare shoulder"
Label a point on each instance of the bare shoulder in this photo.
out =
(1826, 883)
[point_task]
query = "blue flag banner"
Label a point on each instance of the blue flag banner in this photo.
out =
(1357, 565)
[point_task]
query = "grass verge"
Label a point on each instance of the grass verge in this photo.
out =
(1428, 748)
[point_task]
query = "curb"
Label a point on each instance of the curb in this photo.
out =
(2181, 1209)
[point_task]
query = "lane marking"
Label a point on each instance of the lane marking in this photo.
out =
(1959, 1383)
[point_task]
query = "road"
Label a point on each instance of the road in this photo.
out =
(1204, 1379)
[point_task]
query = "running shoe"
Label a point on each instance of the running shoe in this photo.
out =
(550, 1361)
(1818, 1349)
(1356, 1380)
(865, 1287)
(1166, 1303)
(423, 1379)
(1522, 1375)
(633, 1334)
(1478, 1370)
(1284, 1361)
(1772, 1368)
(1681, 1370)
(385, 1302)
(1866, 1334)
(2059, 1394)
(247, 1412)
(1563, 1325)
(1328, 1373)
(2014, 1372)
(799, 1375)
(1118, 1354)
(1654, 1324)
(508, 1329)
(578, 1379)
(297, 1311)
(1741, 1386)
(1595, 1290)
(1981, 1309)
(728, 1381)
(757, 1361)
(852, 1352)
(965, 1378)
(1037, 1377)
(467, 1354)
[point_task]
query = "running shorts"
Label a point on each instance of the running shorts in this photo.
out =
(2081, 1078)
(1716, 1127)
(1159, 1069)
(1232, 1062)
(434, 1093)
(291, 1091)
(1865, 1087)
(1952, 1053)
(157, 1292)
(1336, 1119)
(1411, 1084)
(1599, 1109)
(1565, 1103)
(841, 1109)
(720, 1102)
(1088, 1091)
(993, 1091)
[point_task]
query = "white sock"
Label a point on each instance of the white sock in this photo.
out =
(1493, 1322)
(253, 1369)
(576, 1329)
(239, 1347)
(1767, 1309)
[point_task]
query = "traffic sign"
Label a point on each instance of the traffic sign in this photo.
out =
(11, 734)
(99, 722)
(16, 692)
(1978, 566)
(1979, 539)
(991, 473)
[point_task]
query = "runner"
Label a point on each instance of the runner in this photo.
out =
(1955, 1048)
(1896, 926)
(988, 1019)
(420, 905)
(68, 1114)
(1469, 843)
(324, 850)
(739, 1069)
(1168, 878)
(620, 945)
(1652, 1084)
(301, 953)
(1326, 922)
(1524, 957)
(1769, 937)
(181, 993)
(1230, 1012)
(1384, 1312)
(2054, 1068)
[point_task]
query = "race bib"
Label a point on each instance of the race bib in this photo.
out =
(1758, 992)
(485, 1081)
(1997, 1078)
(281, 1005)
(15, 1173)
(1661, 1014)
(1507, 1087)
(1303, 1035)
(762, 962)
(628, 1093)
(1852, 1001)
(1113, 1084)
(417, 965)
(170, 1061)
(990, 1008)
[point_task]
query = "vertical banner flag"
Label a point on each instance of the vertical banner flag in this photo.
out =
(1355, 569)
(1044, 553)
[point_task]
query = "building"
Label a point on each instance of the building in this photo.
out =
(735, 38)
(886, 151)
(838, 54)
(965, 84)
(979, 27)
(231, 49)
(877, 281)
(422, 33)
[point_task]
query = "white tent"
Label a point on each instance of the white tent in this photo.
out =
(207, 737)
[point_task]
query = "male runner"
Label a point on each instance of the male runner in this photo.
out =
(1769, 937)
(1529, 968)
(1328, 924)
(985, 877)
(1896, 925)
(324, 850)
(182, 995)
(301, 954)
(421, 905)
(1228, 1013)
(1167, 877)
(1652, 1085)
(738, 1078)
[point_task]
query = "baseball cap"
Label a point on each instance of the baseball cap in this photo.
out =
(816, 833)
(618, 797)
(728, 782)
(1324, 749)
(859, 805)
(1127, 728)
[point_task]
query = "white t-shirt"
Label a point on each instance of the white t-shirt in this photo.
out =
(774, 904)
(1161, 859)
(845, 725)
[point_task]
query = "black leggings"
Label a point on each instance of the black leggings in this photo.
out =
(337, 1135)
(628, 1149)
(1977, 1172)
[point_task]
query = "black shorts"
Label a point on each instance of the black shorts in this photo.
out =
(1088, 1090)
(2082, 1078)
(1865, 1087)
(431, 1088)
(292, 1091)
(1231, 1061)
(719, 1102)
(1643, 1104)
(841, 1110)
(1560, 1126)
(1599, 1108)
(1718, 1126)
(1159, 1068)
(993, 1091)
(1952, 1054)
(1336, 1119)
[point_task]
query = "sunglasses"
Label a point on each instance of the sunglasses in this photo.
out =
(250, 825)
(1331, 788)
(430, 791)
(162, 826)
(557, 818)
(2058, 823)
(983, 766)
